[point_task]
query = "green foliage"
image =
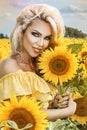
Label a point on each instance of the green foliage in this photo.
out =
(75, 48)
(3, 36)
(82, 86)
(63, 124)
(74, 32)
(81, 127)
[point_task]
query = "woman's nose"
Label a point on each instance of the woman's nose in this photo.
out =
(41, 42)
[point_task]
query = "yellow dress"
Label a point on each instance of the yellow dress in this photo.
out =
(25, 83)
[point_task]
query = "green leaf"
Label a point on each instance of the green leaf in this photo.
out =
(82, 87)
(29, 125)
(63, 124)
(12, 124)
(1, 127)
(60, 127)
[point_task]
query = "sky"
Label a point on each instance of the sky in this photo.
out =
(74, 12)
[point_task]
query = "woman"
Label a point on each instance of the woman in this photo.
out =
(36, 28)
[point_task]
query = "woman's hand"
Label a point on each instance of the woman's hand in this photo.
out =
(61, 101)
(71, 106)
(64, 100)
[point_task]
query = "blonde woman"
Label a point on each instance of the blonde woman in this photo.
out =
(36, 27)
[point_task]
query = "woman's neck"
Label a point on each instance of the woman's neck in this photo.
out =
(25, 61)
(25, 58)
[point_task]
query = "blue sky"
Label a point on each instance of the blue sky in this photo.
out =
(74, 12)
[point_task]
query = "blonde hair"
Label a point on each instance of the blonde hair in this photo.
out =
(45, 12)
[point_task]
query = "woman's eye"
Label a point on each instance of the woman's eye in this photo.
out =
(35, 34)
(48, 38)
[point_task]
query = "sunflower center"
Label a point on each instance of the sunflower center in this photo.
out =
(84, 54)
(22, 117)
(85, 64)
(59, 65)
(81, 109)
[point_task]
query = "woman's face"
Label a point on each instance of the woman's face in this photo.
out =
(37, 37)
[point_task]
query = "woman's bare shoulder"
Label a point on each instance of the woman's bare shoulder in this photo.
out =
(8, 65)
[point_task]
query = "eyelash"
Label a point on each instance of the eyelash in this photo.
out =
(37, 35)
(48, 38)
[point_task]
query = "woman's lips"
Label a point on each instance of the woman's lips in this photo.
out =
(37, 50)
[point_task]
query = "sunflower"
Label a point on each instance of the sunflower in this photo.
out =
(85, 69)
(81, 111)
(23, 112)
(58, 65)
(83, 53)
(83, 56)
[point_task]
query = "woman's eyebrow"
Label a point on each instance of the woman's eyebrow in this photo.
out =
(37, 32)
(50, 35)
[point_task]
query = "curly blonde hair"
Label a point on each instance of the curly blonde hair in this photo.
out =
(45, 12)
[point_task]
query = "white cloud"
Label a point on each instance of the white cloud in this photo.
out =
(5, 15)
(73, 9)
(22, 3)
(74, 12)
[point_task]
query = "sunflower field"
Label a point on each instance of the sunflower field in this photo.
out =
(5, 48)
(66, 64)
